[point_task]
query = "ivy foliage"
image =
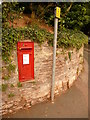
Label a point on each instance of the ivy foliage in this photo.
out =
(77, 17)
(71, 38)
(73, 15)
(10, 37)
(10, 11)
(66, 38)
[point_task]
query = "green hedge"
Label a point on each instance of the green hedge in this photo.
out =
(66, 38)
(71, 38)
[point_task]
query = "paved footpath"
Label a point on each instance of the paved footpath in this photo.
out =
(72, 104)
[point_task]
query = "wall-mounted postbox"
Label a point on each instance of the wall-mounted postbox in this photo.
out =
(25, 55)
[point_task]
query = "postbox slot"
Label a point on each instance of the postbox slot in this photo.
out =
(26, 48)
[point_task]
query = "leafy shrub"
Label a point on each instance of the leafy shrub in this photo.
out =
(19, 84)
(11, 10)
(11, 95)
(66, 58)
(69, 55)
(71, 38)
(11, 68)
(6, 77)
(4, 87)
(9, 39)
(12, 85)
(66, 38)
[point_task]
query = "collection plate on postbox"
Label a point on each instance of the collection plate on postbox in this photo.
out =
(25, 56)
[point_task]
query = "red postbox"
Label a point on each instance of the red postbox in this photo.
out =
(25, 55)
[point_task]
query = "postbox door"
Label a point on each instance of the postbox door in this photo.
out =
(26, 64)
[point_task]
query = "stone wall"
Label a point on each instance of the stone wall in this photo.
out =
(32, 92)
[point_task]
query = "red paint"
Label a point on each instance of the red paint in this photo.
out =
(26, 71)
